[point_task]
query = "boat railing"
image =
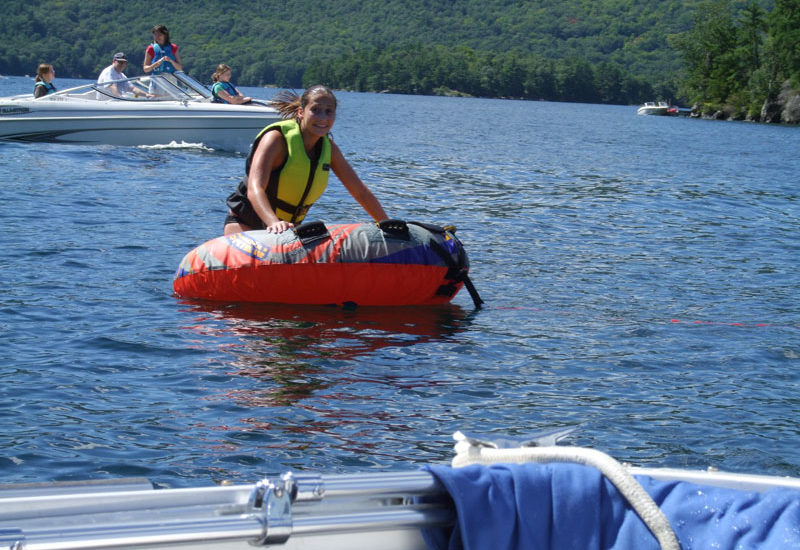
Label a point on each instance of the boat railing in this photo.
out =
(166, 87)
(190, 85)
(269, 512)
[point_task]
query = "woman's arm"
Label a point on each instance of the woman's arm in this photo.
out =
(177, 63)
(233, 99)
(242, 98)
(355, 186)
(270, 155)
(147, 67)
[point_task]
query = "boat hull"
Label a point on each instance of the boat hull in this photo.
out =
(182, 112)
(345, 511)
(657, 109)
(231, 129)
(354, 511)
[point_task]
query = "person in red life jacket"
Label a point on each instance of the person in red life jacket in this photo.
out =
(44, 80)
(288, 167)
(162, 55)
(223, 90)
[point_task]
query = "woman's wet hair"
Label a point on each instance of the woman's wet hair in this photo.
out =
(42, 70)
(288, 103)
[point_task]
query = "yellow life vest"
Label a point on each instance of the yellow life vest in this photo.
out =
(296, 185)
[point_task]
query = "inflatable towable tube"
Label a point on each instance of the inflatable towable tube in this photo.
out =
(388, 263)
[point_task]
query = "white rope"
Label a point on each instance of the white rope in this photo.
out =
(469, 453)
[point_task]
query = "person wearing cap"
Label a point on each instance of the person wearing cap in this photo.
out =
(112, 75)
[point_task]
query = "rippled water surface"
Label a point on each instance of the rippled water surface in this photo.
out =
(640, 277)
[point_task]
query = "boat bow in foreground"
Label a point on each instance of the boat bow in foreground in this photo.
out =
(493, 497)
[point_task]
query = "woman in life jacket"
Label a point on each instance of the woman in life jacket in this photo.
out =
(223, 90)
(162, 55)
(288, 166)
(44, 80)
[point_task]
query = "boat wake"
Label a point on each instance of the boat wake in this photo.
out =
(177, 145)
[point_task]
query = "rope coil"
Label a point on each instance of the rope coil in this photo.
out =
(471, 451)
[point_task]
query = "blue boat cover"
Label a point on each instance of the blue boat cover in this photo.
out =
(564, 506)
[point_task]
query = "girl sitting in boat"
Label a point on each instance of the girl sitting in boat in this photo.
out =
(44, 80)
(224, 91)
(288, 167)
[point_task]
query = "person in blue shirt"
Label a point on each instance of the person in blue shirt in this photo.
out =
(162, 55)
(223, 90)
(44, 80)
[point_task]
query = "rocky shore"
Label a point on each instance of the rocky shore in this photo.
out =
(783, 109)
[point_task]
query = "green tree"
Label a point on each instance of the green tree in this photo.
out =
(784, 40)
(753, 29)
(575, 81)
(709, 53)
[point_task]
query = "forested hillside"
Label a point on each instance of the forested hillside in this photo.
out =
(277, 41)
(728, 56)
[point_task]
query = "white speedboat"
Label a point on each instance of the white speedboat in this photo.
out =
(492, 497)
(652, 108)
(154, 110)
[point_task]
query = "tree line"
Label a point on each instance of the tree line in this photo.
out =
(577, 50)
(737, 57)
(742, 62)
(435, 69)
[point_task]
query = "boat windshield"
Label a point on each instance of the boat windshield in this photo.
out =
(163, 87)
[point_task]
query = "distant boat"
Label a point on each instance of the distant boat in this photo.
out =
(661, 108)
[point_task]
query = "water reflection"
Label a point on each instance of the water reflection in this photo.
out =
(321, 386)
(298, 351)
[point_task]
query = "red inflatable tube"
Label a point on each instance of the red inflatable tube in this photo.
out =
(369, 264)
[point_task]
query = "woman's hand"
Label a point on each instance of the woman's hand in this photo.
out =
(279, 226)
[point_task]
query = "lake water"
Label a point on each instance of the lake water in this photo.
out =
(640, 276)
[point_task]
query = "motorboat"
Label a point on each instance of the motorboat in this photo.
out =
(497, 493)
(145, 110)
(660, 108)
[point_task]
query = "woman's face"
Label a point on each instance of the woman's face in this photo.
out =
(158, 37)
(49, 75)
(225, 76)
(318, 115)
